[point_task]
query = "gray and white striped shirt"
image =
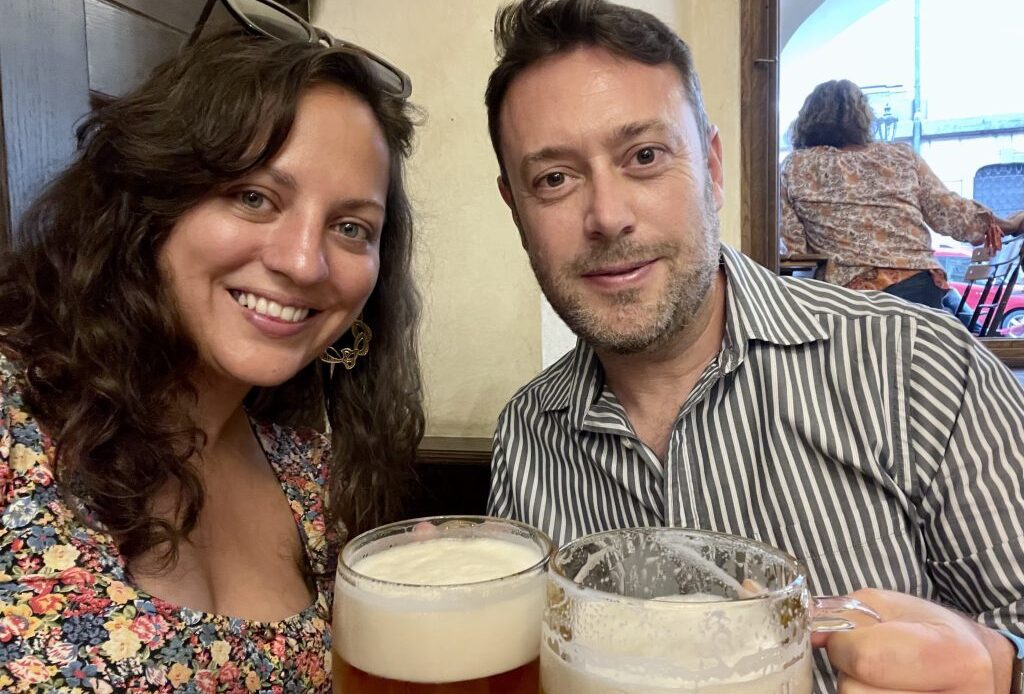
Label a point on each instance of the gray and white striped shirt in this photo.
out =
(873, 439)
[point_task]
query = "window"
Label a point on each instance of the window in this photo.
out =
(942, 77)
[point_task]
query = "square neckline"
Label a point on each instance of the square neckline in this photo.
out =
(262, 431)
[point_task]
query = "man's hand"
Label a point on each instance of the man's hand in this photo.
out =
(918, 647)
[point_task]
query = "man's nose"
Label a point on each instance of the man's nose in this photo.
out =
(610, 206)
(295, 248)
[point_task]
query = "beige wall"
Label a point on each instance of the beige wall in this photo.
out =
(482, 335)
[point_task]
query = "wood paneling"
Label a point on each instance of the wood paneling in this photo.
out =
(124, 47)
(1011, 352)
(759, 88)
(5, 194)
(455, 450)
(454, 475)
(44, 84)
(177, 14)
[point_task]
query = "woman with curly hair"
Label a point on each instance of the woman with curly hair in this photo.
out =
(207, 332)
(867, 205)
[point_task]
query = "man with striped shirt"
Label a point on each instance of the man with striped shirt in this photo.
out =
(875, 440)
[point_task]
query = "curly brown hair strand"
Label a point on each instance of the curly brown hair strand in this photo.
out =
(835, 114)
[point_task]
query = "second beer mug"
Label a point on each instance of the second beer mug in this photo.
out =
(656, 610)
(446, 604)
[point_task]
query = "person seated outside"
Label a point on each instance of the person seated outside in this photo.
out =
(868, 205)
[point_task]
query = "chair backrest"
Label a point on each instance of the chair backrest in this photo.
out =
(1000, 187)
(996, 275)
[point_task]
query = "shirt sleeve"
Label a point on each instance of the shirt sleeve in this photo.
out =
(966, 408)
(499, 501)
(948, 213)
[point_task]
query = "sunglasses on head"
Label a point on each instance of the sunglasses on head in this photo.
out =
(267, 18)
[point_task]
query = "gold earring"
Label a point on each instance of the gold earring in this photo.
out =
(347, 356)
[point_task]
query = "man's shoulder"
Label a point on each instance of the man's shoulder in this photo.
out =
(550, 389)
(795, 310)
(838, 306)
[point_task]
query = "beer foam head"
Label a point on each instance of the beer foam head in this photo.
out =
(671, 640)
(449, 561)
(430, 611)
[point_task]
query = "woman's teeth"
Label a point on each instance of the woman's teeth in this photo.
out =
(273, 309)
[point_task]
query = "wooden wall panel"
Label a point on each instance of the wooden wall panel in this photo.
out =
(759, 126)
(177, 14)
(124, 47)
(43, 81)
(454, 476)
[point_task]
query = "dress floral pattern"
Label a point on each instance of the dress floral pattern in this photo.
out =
(71, 621)
(869, 211)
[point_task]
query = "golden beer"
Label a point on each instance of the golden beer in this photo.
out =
(522, 680)
(442, 605)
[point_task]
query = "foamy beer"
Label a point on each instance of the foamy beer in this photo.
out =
(657, 610)
(447, 604)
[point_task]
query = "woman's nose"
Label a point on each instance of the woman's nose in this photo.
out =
(295, 248)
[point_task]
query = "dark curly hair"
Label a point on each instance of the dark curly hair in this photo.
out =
(528, 31)
(835, 114)
(84, 312)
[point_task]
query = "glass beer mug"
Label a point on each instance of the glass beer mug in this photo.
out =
(442, 605)
(657, 610)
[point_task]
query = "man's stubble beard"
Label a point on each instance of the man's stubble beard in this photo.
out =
(622, 328)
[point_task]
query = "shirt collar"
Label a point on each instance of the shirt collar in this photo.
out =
(759, 306)
(574, 382)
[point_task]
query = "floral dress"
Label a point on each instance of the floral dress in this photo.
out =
(71, 621)
(869, 211)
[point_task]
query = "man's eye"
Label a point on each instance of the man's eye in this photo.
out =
(647, 155)
(252, 199)
(553, 180)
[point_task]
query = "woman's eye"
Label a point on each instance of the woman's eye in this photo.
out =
(553, 180)
(647, 155)
(352, 230)
(252, 199)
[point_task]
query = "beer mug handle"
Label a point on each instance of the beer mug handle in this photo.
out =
(827, 613)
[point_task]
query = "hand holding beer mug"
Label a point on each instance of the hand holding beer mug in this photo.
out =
(657, 610)
(448, 604)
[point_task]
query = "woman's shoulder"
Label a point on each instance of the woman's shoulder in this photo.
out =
(896, 151)
(301, 441)
(806, 158)
(11, 376)
(23, 452)
(297, 452)
(301, 457)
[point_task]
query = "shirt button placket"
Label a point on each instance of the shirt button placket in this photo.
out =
(681, 502)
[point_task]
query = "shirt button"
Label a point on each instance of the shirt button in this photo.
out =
(627, 444)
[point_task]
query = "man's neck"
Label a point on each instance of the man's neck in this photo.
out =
(652, 386)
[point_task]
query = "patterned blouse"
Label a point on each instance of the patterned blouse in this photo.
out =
(71, 620)
(867, 210)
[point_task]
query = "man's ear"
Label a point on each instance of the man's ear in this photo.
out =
(715, 170)
(506, 195)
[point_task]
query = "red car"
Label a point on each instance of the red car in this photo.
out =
(955, 262)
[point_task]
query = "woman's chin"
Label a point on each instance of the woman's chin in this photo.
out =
(247, 375)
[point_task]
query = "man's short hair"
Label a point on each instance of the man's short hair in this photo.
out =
(528, 31)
